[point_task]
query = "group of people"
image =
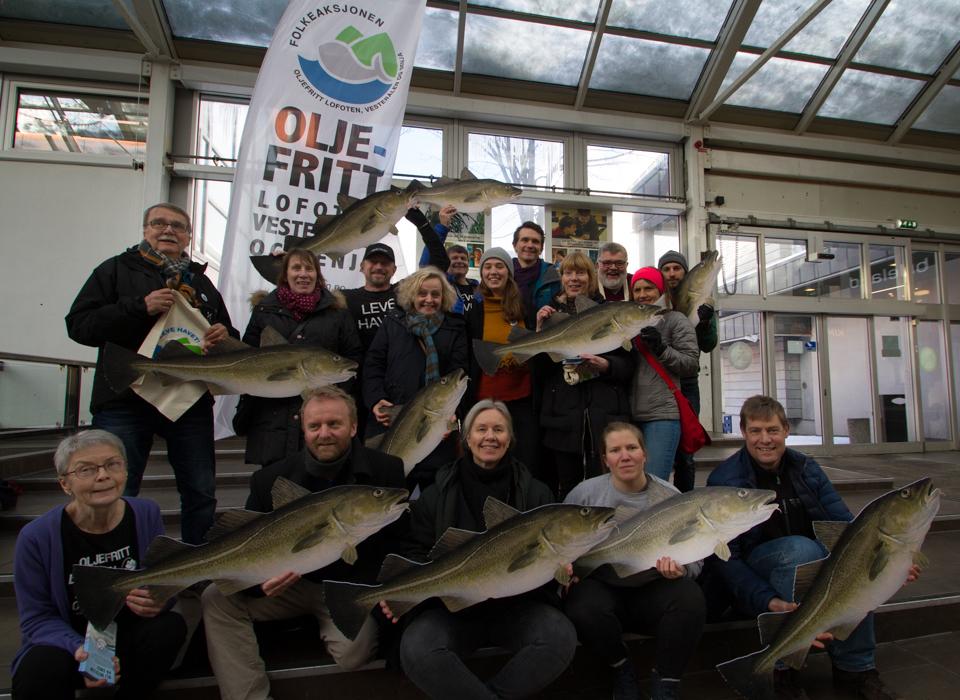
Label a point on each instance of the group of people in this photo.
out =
(602, 430)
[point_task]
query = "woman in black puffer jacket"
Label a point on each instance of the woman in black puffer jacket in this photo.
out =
(305, 312)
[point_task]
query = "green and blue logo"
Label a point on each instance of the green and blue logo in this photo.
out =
(353, 69)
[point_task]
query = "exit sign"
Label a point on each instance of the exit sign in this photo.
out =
(906, 223)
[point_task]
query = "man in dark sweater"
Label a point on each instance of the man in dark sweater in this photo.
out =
(537, 279)
(332, 457)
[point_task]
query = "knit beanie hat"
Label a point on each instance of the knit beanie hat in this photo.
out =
(499, 254)
(650, 274)
(672, 256)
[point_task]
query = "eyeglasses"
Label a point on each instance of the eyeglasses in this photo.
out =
(160, 224)
(88, 470)
(619, 264)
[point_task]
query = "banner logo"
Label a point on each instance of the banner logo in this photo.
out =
(353, 68)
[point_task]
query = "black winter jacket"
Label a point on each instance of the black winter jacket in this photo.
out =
(110, 307)
(272, 426)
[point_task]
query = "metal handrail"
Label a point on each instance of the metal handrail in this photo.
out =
(71, 397)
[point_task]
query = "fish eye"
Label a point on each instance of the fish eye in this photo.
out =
(742, 493)
(904, 493)
(377, 493)
(585, 511)
(336, 358)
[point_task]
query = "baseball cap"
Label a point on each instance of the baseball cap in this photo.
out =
(379, 249)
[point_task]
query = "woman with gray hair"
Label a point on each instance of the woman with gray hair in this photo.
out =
(96, 527)
(435, 640)
(419, 342)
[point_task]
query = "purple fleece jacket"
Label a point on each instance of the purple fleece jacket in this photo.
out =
(38, 578)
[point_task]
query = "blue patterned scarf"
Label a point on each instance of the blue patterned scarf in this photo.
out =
(423, 327)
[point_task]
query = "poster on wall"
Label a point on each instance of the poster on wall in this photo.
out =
(467, 230)
(577, 229)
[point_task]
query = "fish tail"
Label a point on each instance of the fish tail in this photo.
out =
(742, 675)
(483, 353)
(118, 366)
(347, 610)
(269, 266)
(98, 601)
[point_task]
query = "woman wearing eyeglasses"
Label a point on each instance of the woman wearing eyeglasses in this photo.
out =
(99, 527)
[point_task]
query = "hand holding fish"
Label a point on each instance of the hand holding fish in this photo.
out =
(601, 364)
(778, 605)
(143, 604)
(80, 655)
(215, 333)
(159, 301)
(381, 413)
(388, 613)
(446, 215)
(913, 574)
(543, 314)
(668, 568)
(278, 584)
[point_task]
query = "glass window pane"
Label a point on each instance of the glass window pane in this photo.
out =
(911, 35)
(955, 354)
(645, 236)
(798, 376)
(420, 153)
(621, 170)
(895, 379)
(934, 388)
(219, 129)
(941, 114)
(84, 13)
(741, 364)
(870, 97)
(435, 50)
(644, 67)
(249, 22)
(886, 271)
(782, 84)
(580, 10)
(851, 384)
(790, 273)
(505, 219)
(926, 289)
(104, 125)
(739, 274)
(212, 204)
(824, 36)
(509, 48)
(696, 19)
(951, 276)
(517, 160)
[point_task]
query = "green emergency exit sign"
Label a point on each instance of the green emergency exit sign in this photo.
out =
(906, 223)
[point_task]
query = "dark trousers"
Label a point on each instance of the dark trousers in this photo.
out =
(526, 431)
(672, 610)
(540, 637)
(561, 471)
(190, 452)
(146, 647)
(684, 469)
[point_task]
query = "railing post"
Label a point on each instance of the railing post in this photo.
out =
(71, 400)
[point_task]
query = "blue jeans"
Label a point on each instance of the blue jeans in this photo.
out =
(777, 560)
(190, 452)
(661, 438)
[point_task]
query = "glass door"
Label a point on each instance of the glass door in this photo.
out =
(893, 356)
(741, 364)
(851, 381)
(797, 376)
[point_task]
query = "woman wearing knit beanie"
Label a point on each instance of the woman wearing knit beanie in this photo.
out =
(672, 343)
(497, 308)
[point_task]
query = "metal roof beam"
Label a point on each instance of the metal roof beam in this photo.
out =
(927, 95)
(592, 50)
(794, 29)
(458, 63)
(148, 22)
(721, 58)
(850, 48)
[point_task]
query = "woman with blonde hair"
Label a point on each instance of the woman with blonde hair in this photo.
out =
(418, 342)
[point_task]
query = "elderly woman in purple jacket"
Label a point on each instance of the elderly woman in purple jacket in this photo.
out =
(97, 527)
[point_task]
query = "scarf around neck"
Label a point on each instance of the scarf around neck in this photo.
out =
(423, 328)
(176, 273)
(299, 305)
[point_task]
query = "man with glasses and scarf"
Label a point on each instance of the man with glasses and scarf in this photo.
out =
(612, 272)
(120, 303)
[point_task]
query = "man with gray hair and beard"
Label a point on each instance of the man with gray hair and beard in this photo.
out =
(612, 272)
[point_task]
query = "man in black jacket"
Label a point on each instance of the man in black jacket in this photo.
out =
(120, 303)
(332, 457)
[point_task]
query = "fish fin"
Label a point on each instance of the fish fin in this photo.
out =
(414, 186)
(881, 556)
(561, 575)
(349, 554)
(161, 594)
(740, 674)
(311, 539)
(229, 521)
(828, 532)
(623, 569)
(229, 586)
(374, 442)
(483, 353)
(582, 303)
(553, 320)
(282, 375)
(527, 557)
(455, 603)
(394, 565)
(451, 538)
(345, 201)
(769, 624)
(557, 356)
(118, 366)
(465, 174)
(226, 345)
(285, 491)
(423, 427)
(496, 512)
(841, 632)
(805, 576)
(603, 331)
(291, 242)
(797, 658)
(270, 266)
(444, 180)
(688, 530)
(394, 230)
(722, 550)
(270, 336)
(920, 559)
(320, 223)
(624, 512)
(163, 547)
(517, 333)
(175, 350)
(346, 609)
(98, 600)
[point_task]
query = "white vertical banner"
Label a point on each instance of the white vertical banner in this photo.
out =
(324, 119)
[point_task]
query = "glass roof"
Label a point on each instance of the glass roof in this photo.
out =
(696, 19)
(644, 67)
(510, 48)
(246, 22)
(84, 13)
(911, 35)
(581, 10)
(870, 97)
(435, 49)
(942, 113)
(782, 84)
(824, 36)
